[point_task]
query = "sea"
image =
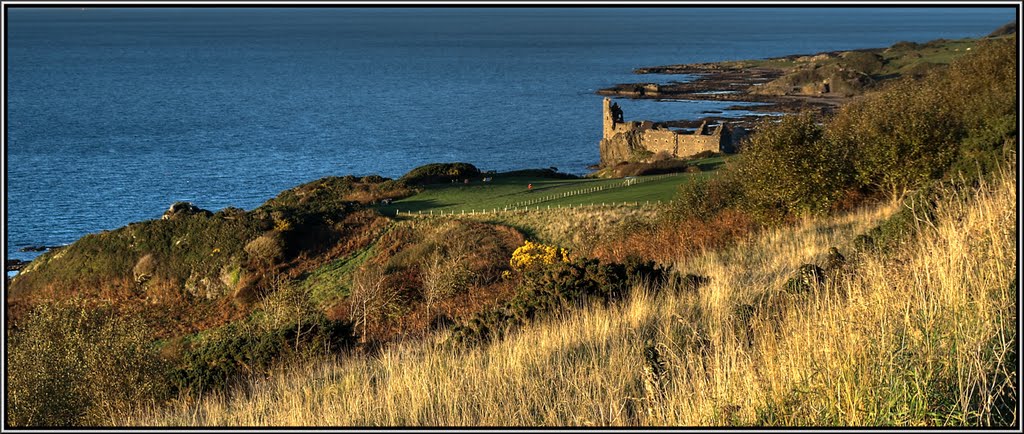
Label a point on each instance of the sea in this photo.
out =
(112, 114)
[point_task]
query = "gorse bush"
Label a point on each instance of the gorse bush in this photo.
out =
(72, 364)
(531, 255)
(862, 61)
(286, 326)
(221, 357)
(702, 199)
(554, 287)
(330, 194)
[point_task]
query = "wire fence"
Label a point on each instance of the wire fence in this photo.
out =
(595, 189)
(533, 208)
(533, 205)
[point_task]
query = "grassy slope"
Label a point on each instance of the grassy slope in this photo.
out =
(917, 338)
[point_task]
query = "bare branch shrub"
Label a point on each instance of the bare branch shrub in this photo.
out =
(371, 297)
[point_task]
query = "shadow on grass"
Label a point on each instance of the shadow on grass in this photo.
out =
(710, 165)
(411, 205)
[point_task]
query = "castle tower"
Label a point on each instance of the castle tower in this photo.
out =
(612, 115)
(609, 123)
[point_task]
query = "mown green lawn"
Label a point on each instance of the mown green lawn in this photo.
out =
(510, 191)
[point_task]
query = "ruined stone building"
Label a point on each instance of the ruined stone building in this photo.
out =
(623, 140)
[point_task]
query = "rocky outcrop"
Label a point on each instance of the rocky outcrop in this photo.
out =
(179, 209)
(16, 264)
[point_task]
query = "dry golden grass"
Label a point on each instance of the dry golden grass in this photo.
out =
(577, 229)
(919, 337)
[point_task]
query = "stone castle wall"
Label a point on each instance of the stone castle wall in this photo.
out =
(622, 140)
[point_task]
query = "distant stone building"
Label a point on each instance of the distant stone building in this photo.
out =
(622, 141)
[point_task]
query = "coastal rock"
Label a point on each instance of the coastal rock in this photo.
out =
(16, 264)
(144, 269)
(39, 248)
(184, 209)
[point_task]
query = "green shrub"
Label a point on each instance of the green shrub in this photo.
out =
(703, 198)
(902, 225)
(806, 278)
(959, 121)
(862, 61)
(914, 130)
(918, 69)
(440, 172)
(72, 364)
(985, 148)
(550, 172)
(790, 168)
(218, 358)
(905, 46)
(903, 136)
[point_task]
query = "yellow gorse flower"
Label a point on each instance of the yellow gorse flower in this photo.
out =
(531, 253)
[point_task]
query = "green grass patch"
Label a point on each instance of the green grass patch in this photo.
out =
(510, 190)
(663, 189)
(333, 280)
(501, 192)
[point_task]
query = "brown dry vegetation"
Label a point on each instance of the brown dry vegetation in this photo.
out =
(402, 264)
(920, 336)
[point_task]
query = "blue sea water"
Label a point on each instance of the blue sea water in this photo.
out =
(113, 114)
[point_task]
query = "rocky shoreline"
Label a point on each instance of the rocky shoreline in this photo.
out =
(19, 264)
(818, 82)
(717, 82)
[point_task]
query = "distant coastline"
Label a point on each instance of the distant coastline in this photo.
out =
(819, 82)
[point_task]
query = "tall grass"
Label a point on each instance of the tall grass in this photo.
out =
(577, 229)
(921, 336)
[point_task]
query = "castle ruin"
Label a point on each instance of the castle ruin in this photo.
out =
(623, 141)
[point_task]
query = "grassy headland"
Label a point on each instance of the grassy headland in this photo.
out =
(852, 270)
